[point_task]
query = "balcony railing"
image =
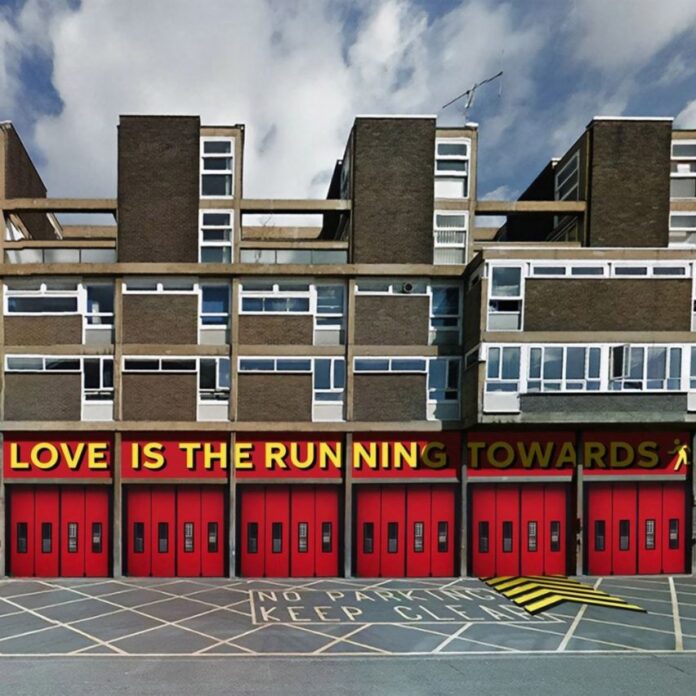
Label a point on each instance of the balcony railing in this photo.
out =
(298, 256)
(59, 252)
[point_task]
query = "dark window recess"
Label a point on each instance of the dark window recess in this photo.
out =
(555, 535)
(326, 537)
(442, 537)
(674, 534)
(649, 535)
(46, 537)
(188, 537)
(368, 537)
(72, 537)
(277, 537)
(139, 537)
(418, 543)
(96, 537)
(483, 537)
(532, 536)
(507, 537)
(624, 535)
(253, 537)
(302, 537)
(212, 537)
(392, 537)
(162, 537)
(22, 537)
(600, 536)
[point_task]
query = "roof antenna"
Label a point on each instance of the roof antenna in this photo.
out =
(471, 93)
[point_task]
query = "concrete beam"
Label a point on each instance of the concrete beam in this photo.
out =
(287, 205)
(508, 207)
(60, 205)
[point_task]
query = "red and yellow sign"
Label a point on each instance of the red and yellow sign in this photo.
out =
(53, 456)
(554, 453)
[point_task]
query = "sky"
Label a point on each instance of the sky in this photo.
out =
(297, 72)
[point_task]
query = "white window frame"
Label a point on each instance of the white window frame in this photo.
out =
(230, 172)
(455, 331)
(318, 404)
(203, 244)
(85, 392)
(202, 326)
(159, 368)
(564, 381)
(392, 366)
(163, 286)
(506, 298)
(274, 362)
(247, 291)
(499, 380)
(625, 383)
(220, 390)
(441, 234)
(446, 401)
(440, 176)
(690, 160)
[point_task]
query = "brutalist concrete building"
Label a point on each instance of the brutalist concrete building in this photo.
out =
(398, 390)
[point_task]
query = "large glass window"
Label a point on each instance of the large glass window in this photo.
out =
(503, 369)
(505, 299)
(555, 368)
(645, 368)
(452, 167)
(216, 236)
(683, 169)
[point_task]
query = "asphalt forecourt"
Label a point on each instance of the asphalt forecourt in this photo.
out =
(334, 617)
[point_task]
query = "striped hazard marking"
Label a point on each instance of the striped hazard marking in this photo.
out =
(536, 593)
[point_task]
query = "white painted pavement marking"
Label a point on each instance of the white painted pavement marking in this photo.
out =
(678, 639)
(448, 640)
(576, 622)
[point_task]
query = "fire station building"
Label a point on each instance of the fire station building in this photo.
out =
(396, 389)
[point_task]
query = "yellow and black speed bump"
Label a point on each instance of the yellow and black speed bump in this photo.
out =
(536, 593)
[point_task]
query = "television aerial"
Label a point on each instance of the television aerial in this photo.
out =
(471, 93)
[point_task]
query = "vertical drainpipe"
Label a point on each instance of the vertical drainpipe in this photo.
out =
(117, 512)
(463, 511)
(579, 506)
(232, 510)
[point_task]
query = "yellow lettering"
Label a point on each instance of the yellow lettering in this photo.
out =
(210, 456)
(242, 455)
(593, 453)
(616, 450)
(328, 453)
(96, 456)
(15, 462)
(275, 451)
(154, 459)
(361, 455)
(308, 463)
(648, 452)
(405, 455)
(508, 451)
(527, 456)
(52, 460)
(474, 449)
(435, 455)
(190, 449)
(566, 456)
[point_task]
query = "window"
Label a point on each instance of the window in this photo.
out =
(649, 535)
(645, 368)
(624, 535)
(555, 535)
(277, 537)
(444, 314)
(100, 303)
(98, 379)
(72, 537)
(505, 299)
(532, 536)
(392, 537)
(159, 365)
(22, 537)
(39, 364)
(329, 384)
(673, 542)
(443, 388)
(253, 537)
(503, 369)
(214, 379)
(403, 365)
(507, 537)
(567, 179)
(215, 305)
(449, 237)
(212, 537)
(560, 368)
(368, 537)
(549, 270)
(328, 317)
(452, 167)
(683, 169)
(139, 537)
(96, 537)
(442, 536)
(682, 229)
(274, 298)
(326, 537)
(149, 286)
(587, 271)
(217, 157)
(394, 286)
(188, 537)
(302, 537)
(275, 365)
(483, 537)
(600, 535)
(162, 537)
(418, 540)
(46, 537)
(216, 236)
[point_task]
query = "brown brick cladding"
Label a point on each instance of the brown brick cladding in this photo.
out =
(43, 330)
(43, 397)
(274, 330)
(159, 397)
(389, 397)
(629, 184)
(607, 305)
(167, 319)
(393, 165)
(23, 181)
(279, 397)
(158, 187)
(391, 321)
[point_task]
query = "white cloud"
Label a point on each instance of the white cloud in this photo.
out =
(686, 118)
(284, 69)
(626, 34)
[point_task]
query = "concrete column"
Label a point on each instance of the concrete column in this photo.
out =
(348, 507)
(232, 512)
(117, 514)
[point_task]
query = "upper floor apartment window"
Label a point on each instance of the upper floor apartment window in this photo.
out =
(683, 169)
(449, 236)
(215, 241)
(93, 300)
(452, 157)
(566, 185)
(217, 167)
